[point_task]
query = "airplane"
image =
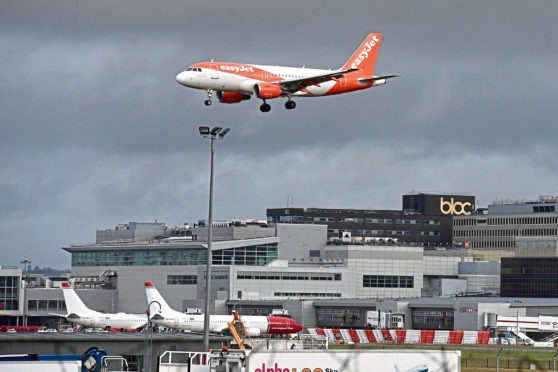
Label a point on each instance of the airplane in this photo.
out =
(236, 82)
(80, 314)
(256, 325)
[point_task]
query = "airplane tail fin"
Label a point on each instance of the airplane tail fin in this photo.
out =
(74, 304)
(364, 58)
(155, 301)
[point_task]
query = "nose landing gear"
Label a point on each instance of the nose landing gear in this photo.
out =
(209, 94)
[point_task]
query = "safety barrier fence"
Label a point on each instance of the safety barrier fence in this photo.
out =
(401, 336)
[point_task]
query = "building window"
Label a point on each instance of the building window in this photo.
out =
(253, 275)
(182, 279)
(9, 292)
(387, 281)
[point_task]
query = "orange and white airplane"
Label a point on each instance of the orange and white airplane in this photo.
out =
(236, 82)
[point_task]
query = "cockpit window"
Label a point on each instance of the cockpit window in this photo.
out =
(189, 69)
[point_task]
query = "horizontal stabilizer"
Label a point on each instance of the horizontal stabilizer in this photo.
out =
(157, 316)
(375, 78)
(60, 315)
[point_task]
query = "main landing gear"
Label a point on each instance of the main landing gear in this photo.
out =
(209, 94)
(289, 105)
(265, 107)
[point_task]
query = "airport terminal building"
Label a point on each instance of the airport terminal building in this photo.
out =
(424, 220)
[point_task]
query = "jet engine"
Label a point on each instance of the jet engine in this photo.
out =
(266, 90)
(231, 97)
(254, 332)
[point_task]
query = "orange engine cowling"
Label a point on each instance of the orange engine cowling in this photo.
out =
(231, 97)
(266, 90)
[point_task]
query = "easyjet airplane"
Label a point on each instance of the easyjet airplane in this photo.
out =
(236, 82)
(165, 316)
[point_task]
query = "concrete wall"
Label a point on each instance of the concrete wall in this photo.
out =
(297, 240)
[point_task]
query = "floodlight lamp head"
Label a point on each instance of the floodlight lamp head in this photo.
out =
(204, 131)
(215, 131)
(225, 131)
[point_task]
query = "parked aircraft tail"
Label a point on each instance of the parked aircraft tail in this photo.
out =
(74, 304)
(364, 58)
(155, 301)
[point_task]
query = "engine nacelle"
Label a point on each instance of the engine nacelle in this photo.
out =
(231, 97)
(266, 90)
(254, 332)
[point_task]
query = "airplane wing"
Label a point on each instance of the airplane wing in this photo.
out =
(294, 85)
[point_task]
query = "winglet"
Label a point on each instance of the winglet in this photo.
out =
(148, 285)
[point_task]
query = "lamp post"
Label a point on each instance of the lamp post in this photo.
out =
(212, 134)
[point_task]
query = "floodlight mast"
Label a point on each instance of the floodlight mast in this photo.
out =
(212, 134)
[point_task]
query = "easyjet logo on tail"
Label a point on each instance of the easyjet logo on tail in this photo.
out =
(365, 52)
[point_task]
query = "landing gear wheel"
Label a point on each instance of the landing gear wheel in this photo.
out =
(265, 107)
(209, 94)
(289, 105)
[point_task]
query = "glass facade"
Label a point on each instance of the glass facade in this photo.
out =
(529, 277)
(9, 292)
(387, 281)
(257, 255)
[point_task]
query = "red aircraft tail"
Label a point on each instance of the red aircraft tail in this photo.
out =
(365, 56)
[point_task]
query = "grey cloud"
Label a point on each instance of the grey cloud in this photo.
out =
(95, 131)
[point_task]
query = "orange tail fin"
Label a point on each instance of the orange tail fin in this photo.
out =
(365, 56)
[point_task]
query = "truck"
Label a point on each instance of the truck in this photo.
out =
(395, 360)
(381, 320)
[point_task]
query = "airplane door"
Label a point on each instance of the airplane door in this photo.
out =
(214, 73)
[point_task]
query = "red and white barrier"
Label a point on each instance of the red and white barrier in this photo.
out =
(403, 336)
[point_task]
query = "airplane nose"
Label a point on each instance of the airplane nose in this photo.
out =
(182, 78)
(297, 327)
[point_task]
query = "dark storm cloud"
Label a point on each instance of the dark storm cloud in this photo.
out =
(95, 131)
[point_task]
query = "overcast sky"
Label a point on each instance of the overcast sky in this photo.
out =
(95, 131)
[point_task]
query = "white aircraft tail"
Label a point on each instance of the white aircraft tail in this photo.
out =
(156, 302)
(74, 304)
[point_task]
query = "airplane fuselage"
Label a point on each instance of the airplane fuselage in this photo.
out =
(241, 78)
(100, 320)
(219, 323)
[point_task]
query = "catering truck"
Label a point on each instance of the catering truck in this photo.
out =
(312, 361)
